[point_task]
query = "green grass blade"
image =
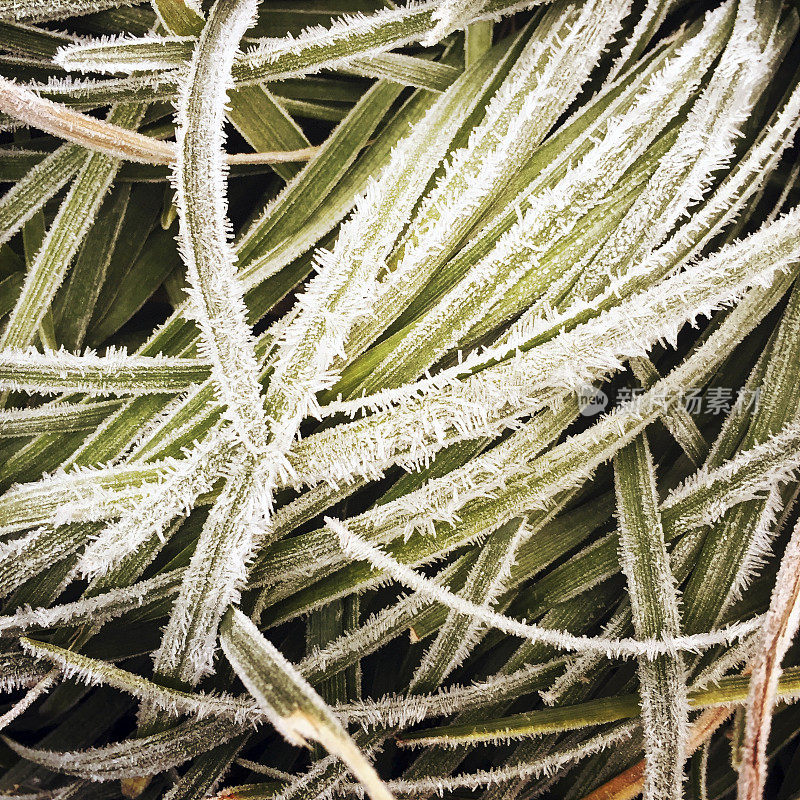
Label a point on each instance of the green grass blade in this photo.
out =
(291, 705)
(276, 59)
(728, 690)
(653, 596)
(37, 187)
(216, 296)
(54, 418)
(41, 11)
(179, 16)
(130, 759)
(63, 239)
(54, 372)
(74, 305)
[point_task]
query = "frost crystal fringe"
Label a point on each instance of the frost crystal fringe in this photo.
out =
(614, 648)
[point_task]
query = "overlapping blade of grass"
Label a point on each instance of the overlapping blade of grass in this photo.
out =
(544, 168)
(215, 293)
(694, 372)
(315, 183)
(133, 757)
(64, 237)
(87, 478)
(166, 500)
(726, 563)
(730, 690)
(168, 52)
(212, 580)
(559, 58)
(290, 704)
(28, 195)
(27, 700)
(653, 15)
(20, 503)
(706, 142)
(780, 627)
(266, 125)
(517, 252)
(403, 711)
(29, 555)
(653, 596)
(206, 772)
(306, 572)
(613, 328)
(44, 11)
(678, 421)
(274, 59)
(342, 292)
(114, 372)
(324, 172)
(451, 15)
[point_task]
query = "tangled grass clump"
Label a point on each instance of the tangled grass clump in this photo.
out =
(399, 400)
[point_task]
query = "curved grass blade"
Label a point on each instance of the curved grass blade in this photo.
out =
(291, 705)
(483, 585)
(47, 10)
(134, 757)
(276, 59)
(94, 672)
(649, 648)
(97, 609)
(111, 137)
(215, 293)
